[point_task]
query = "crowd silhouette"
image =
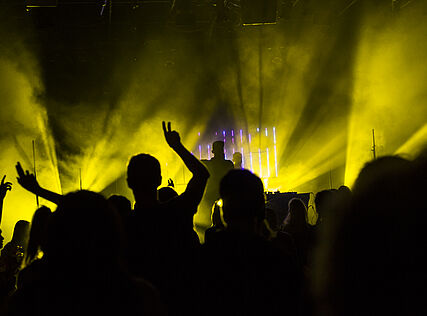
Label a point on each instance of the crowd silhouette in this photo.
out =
(96, 256)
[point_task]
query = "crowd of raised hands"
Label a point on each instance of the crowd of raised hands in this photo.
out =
(96, 255)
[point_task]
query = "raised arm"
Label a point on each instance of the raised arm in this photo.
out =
(28, 181)
(196, 187)
(4, 187)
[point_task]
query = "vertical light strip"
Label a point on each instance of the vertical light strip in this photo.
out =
(209, 151)
(275, 151)
(200, 152)
(268, 163)
(260, 162)
(266, 131)
(241, 137)
(250, 153)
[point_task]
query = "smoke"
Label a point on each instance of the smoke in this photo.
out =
(390, 94)
(23, 120)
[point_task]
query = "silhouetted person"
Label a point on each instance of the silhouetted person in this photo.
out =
(218, 167)
(237, 160)
(279, 239)
(372, 256)
(122, 205)
(248, 275)
(323, 201)
(12, 256)
(217, 223)
(29, 182)
(4, 187)
(295, 224)
(84, 273)
(161, 236)
(5, 278)
(36, 248)
(166, 194)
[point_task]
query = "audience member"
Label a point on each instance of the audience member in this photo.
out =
(371, 257)
(122, 205)
(36, 248)
(4, 187)
(6, 275)
(166, 194)
(11, 258)
(84, 273)
(217, 222)
(296, 225)
(249, 275)
(162, 241)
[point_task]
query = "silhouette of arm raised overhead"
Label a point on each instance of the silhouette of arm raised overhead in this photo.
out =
(29, 182)
(4, 187)
(196, 187)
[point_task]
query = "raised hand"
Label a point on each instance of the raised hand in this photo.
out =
(26, 179)
(4, 187)
(170, 183)
(172, 137)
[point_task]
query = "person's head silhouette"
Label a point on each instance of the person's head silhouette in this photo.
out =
(20, 232)
(84, 233)
(242, 193)
(297, 214)
(237, 160)
(144, 175)
(218, 149)
(121, 204)
(166, 194)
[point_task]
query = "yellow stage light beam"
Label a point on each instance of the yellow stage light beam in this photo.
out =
(415, 144)
(23, 120)
(389, 92)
